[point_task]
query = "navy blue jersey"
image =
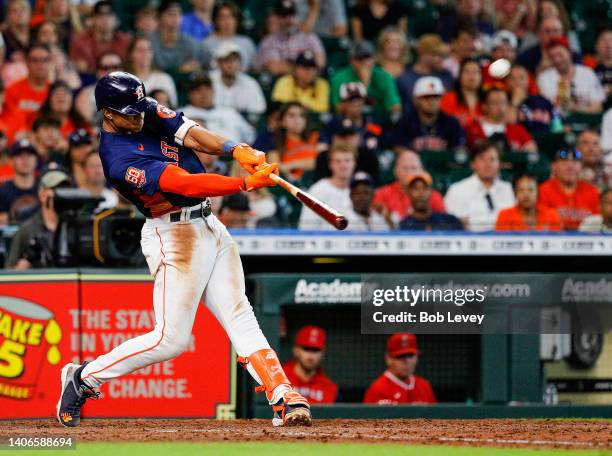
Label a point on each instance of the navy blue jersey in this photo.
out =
(536, 114)
(444, 134)
(134, 162)
(436, 221)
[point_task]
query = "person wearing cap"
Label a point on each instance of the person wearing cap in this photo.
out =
(334, 190)
(233, 87)
(235, 211)
(95, 182)
(303, 85)
(197, 24)
(570, 87)
(427, 128)
(527, 215)
(226, 18)
(431, 52)
(476, 200)
(369, 18)
(494, 126)
(305, 371)
(399, 384)
(279, 50)
(361, 216)
(423, 217)
(222, 119)
(464, 45)
(48, 140)
(33, 244)
(87, 46)
(574, 198)
(80, 145)
(380, 85)
(601, 223)
(22, 189)
(173, 51)
(503, 46)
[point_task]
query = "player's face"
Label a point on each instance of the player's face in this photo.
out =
(124, 123)
(527, 193)
(419, 193)
(402, 366)
(308, 358)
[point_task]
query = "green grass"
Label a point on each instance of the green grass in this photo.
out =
(297, 449)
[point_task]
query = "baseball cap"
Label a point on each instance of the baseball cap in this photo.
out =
(21, 146)
(361, 177)
(346, 127)
(236, 202)
(428, 85)
(352, 90)
(79, 137)
(362, 49)
(567, 153)
(103, 7)
(285, 8)
(226, 49)
(306, 59)
(421, 175)
(558, 41)
(311, 337)
(504, 37)
(402, 344)
(53, 178)
(430, 43)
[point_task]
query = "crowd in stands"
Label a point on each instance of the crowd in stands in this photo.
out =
(384, 109)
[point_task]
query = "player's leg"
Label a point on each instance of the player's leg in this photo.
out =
(225, 297)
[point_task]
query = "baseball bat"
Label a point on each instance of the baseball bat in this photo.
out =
(329, 214)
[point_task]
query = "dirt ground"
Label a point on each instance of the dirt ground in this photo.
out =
(543, 433)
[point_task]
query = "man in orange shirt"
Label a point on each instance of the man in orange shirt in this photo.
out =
(10, 123)
(527, 215)
(398, 384)
(305, 371)
(26, 96)
(573, 198)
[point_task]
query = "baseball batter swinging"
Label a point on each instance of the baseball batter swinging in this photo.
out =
(150, 155)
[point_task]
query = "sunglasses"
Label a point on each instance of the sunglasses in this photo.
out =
(405, 356)
(569, 154)
(312, 349)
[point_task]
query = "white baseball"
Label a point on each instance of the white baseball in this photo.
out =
(500, 68)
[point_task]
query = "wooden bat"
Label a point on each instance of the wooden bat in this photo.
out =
(329, 214)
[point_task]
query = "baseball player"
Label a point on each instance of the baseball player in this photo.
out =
(150, 155)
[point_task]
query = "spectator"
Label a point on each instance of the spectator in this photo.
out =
(7, 172)
(19, 194)
(234, 88)
(503, 46)
(326, 18)
(464, 101)
(33, 246)
(399, 384)
(60, 104)
(463, 46)
(139, 62)
(235, 211)
(370, 17)
(64, 15)
(86, 47)
(493, 125)
(303, 85)
(570, 87)
(606, 131)
(62, 69)
(86, 102)
(427, 128)
(304, 371)
(472, 12)
(380, 87)
(592, 158)
(282, 47)
(423, 217)
(393, 51)
(477, 200)
(533, 112)
(261, 201)
(431, 52)
(334, 190)
(48, 140)
(173, 51)
(527, 215)
(80, 145)
(266, 136)
(296, 147)
(603, 64)
(573, 198)
(361, 216)
(145, 22)
(11, 123)
(516, 16)
(161, 96)
(225, 17)
(16, 29)
(220, 119)
(197, 24)
(95, 183)
(600, 223)
(392, 199)
(26, 96)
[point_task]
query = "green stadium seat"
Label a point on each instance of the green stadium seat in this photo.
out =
(549, 143)
(579, 121)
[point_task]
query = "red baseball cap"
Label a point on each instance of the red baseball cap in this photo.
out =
(402, 344)
(558, 41)
(311, 337)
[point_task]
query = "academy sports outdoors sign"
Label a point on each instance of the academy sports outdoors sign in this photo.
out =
(47, 320)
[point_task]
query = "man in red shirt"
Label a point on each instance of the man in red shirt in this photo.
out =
(305, 371)
(493, 126)
(392, 199)
(398, 384)
(574, 199)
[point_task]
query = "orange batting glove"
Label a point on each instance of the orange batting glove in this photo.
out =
(248, 157)
(261, 177)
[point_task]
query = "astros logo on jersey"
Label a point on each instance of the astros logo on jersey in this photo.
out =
(164, 112)
(139, 92)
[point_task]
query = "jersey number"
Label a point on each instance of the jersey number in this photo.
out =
(135, 176)
(170, 151)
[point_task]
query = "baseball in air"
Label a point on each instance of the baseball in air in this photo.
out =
(500, 68)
